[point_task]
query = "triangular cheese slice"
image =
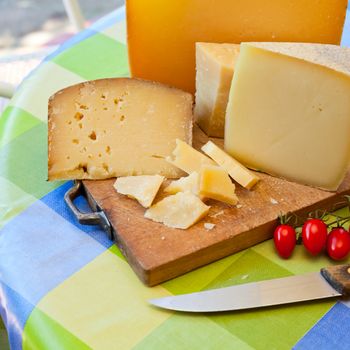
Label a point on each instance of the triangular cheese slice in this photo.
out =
(143, 188)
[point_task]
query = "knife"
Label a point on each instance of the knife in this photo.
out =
(333, 281)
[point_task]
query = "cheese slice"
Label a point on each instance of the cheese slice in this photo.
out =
(188, 183)
(216, 184)
(116, 127)
(187, 158)
(289, 112)
(162, 34)
(143, 188)
(214, 70)
(180, 210)
(236, 170)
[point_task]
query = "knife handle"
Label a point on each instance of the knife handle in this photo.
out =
(338, 277)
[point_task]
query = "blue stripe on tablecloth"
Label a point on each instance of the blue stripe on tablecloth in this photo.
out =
(109, 20)
(346, 32)
(40, 249)
(331, 332)
(55, 201)
(14, 311)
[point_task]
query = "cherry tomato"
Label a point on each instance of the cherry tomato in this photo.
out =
(285, 239)
(338, 244)
(314, 235)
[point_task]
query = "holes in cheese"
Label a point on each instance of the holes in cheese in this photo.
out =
(216, 184)
(180, 210)
(289, 111)
(214, 71)
(143, 188)
(142, 119)
(187, 158)
(92, 136)
(162, 34)
(78, 116)
(236, 170)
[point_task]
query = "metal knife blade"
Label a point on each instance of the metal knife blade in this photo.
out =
(278, 291)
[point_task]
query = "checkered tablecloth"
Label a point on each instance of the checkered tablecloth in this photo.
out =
(66, 286)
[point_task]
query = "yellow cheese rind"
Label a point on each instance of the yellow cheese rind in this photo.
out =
(162, 34)
(214, 70)
(216, 184)
(180, 210)
(187, 158)
(116, 127)
(143, 188)
(189, 183)
(289, 112)
(331, 56)
(235, 169)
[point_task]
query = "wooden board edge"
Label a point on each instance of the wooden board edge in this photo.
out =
(151, 276)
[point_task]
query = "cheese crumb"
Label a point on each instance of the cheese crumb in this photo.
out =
(273, 201)
(239, 206)
(217, 214)
(209, 226)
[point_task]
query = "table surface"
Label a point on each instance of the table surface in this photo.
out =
(66, 286)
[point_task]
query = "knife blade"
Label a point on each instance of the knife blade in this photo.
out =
(330, 282)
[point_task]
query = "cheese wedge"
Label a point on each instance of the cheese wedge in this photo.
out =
(289, 112)
(187, 158)
(143, 188)
(236, 170)
(180, 210)
(188, 183)
(216, 184)
(162, 34)
(116, 127)
(214, 70)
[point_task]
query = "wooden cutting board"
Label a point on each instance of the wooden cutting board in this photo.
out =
(158, 253)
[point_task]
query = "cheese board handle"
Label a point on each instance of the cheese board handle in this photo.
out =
(338, 277)
(93, 218)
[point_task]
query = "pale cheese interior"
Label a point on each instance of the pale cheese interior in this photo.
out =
(215, 183)
(214, 71)
(237, 171)
(187, 158)
(180, 210)
(290, 116)
(143, 188)
(188, 183)
(116, 127)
